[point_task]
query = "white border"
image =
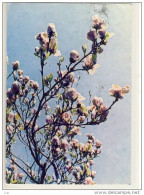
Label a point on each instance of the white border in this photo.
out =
(136, 114)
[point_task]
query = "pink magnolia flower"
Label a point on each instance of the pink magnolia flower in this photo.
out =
(35, 86)
(98, 144)
(71, 78)
(91, 162)
(21, 175)
(49, 119)
(15, 65)
(71, 94)
(8, 172)
(93, 114)
(58, 150)
(10, 93)
(97, 101)
(15, 87)
(66, 116)
(25, 79)
(36, 127)
(51, 29)
(78, 168)
(117, 91)
(89, 65)
(10, 116)
(81, 119)
(10, 129)
(92, 35)
(14, 167)
(88, 181)
(103, 111)
(55, 140)
(91, 137)
(74, 143)
(75, 131)
(82, 147)
(93, 173)
(98, 22)
(64, 144)
(37, 49)
(74, 56)
(53, 47)
(42, 38)
(20, 72)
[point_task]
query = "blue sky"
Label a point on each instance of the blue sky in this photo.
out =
(73, 21)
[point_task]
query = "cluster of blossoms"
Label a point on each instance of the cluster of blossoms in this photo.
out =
(13, 176)
(55, 143)
(48, 41)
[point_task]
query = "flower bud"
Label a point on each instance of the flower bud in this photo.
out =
(74, 56)
(15, 87)
(20, 72)
(84, 48)
(51, 29)
(15, 65)
(92, 35)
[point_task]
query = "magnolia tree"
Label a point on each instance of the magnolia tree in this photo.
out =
(48, 133)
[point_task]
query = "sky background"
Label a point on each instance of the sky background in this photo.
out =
(73, 21)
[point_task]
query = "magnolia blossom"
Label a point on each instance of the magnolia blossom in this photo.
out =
(43, 39)
(92, 35)
(103, 110)
(97, 101)
(55, 140)
(10, 116)
(15, 65)
(91, 137)
(10, 129)
(14, 167)
(15, 87)
(8, 172)
(74, 143)
(82, 147)
(117, 91)
(53, 47)
(88, 181)
(78, 168)
(64, 144)
(20, 72)
(51, 29)
(58, 150)
(81, 119)
(21, 175)
(89, 65)
(49, 119)
(37, 49)
(98, 143)
(91, 162)
(25, 79)
(73, 95)
(75, 131)
(93, 173)
(66, 116)
(98, 22)
(74, 56)
(10, 93)
(93, 114)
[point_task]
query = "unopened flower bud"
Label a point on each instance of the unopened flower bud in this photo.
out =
(15, 65)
